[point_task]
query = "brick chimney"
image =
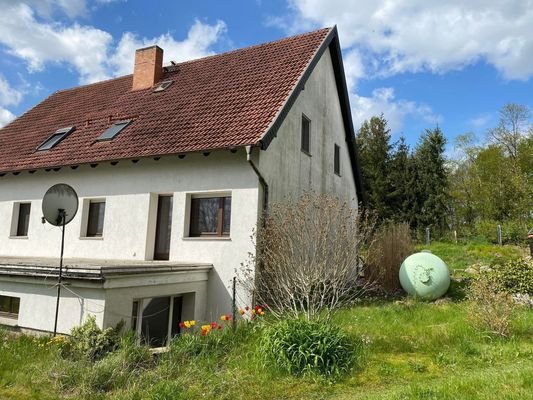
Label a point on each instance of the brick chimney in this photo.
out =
(148, 67)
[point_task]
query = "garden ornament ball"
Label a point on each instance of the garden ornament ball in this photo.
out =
(425, 276)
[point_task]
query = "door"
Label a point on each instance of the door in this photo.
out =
(163, 227)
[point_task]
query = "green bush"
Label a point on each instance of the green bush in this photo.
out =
(88, 341)
(303, 347)
(515, 276)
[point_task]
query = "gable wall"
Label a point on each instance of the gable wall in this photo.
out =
(288, 171)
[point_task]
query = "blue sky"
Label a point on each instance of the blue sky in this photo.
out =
(420, 62)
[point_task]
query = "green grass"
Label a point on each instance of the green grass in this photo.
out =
(415, 351)
(422, 351)
(461, 256)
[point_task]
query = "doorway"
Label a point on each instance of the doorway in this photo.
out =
(163, 227)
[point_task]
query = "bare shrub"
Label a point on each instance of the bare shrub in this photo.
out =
(391, 245)
(308, 256)
(491, 308)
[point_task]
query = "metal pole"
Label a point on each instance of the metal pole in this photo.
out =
(62, 215)
(234, 305)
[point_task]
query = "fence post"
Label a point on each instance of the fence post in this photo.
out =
(500, 235)
(428, 236)
(455, 236)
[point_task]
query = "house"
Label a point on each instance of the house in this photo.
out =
(173, 166)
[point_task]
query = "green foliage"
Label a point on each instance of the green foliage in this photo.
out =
(303, 347)
(373, 144)
(88, 341)
(431, 182)
(514, 277)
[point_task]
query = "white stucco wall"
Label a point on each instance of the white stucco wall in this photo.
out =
(289, 171)
(130, 191)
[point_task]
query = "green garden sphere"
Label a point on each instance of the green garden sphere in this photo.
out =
(424, 275)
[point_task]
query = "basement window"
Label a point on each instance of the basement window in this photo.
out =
(9, 306)
(162, 86)
(56, 137)
(113, 130)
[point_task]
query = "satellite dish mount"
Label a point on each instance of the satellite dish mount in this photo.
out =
(60, 205)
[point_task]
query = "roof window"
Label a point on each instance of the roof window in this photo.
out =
(162, 86)
(56, 137)
(113, 130)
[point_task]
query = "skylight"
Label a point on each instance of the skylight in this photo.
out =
(56, 137)
(113, 130)
(162, 86)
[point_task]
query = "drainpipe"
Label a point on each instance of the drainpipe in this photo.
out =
(261, 179)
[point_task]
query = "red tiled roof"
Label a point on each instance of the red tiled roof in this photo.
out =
(222, 101)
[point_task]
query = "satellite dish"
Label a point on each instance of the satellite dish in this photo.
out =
(59, 199)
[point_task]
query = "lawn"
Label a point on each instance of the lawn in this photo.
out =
(414, 350)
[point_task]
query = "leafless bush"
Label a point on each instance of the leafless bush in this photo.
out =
(308, 257)
(391, 245)
(491, 308)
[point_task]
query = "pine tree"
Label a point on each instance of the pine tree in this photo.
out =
(401, 183)
(373, 141)
(431, 186)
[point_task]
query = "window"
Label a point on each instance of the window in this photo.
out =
(23, 219)
(95, 218)
(306, 134)
(162, 86)
(9, 306)
(57, 137)
(113, 130)
(156, 319)
(337, 161)
(210, 216)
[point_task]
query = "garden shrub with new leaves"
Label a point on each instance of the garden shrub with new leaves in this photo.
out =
(310, 347)
(515, 277)
(88, 341)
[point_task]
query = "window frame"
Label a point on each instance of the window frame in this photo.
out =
(11, 314)
(337, 159)
(119, 125)
(305, 121)
(61, 134)
(96, 234)
(16, 220)
(220, 233)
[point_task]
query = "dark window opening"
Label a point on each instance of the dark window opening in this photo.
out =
(154, 321)
(210, 216)
(23, 221)
(113, 130)
(163, 228)
(9, 306)
(56, 137)
(95, 220)
(337, 161)
(306, 135)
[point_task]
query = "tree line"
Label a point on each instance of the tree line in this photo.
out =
(480, 187)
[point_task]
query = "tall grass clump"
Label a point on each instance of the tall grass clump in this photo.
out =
(310, 347)
(391, 245)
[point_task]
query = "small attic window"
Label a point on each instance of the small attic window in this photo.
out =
(56, 137)
(113, 130)
(162, 86)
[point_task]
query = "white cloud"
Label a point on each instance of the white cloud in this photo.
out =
(38, 43)
(431, 35)
(5, 117)
(200, 38)
(8, 96)
(383, 100)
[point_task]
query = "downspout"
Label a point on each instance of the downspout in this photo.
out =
(261, 179)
